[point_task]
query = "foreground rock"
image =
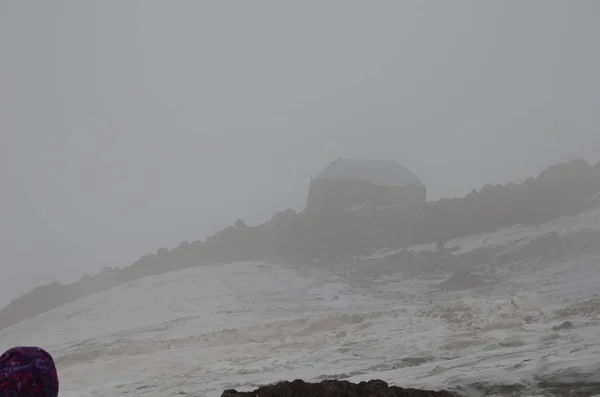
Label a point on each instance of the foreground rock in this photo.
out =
(335, 388)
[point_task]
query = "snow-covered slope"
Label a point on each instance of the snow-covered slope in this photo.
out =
(204, 329)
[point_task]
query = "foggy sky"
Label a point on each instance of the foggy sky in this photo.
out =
(126, 126)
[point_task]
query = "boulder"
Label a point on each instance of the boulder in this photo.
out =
(335, 388)
(565, 325)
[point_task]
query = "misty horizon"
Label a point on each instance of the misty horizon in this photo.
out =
(127, 127)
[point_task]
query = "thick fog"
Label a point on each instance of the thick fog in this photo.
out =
(130, 126)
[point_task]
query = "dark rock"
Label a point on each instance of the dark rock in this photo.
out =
(528, 319)
(415, 361)
(565, 325)
(335, 388)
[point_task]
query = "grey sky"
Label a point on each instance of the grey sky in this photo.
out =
(131, 125)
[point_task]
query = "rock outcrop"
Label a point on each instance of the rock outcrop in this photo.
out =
(335, 388)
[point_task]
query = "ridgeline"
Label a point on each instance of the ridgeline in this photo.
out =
(330, 237)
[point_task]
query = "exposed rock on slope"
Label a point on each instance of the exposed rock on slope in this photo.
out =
(335, 388)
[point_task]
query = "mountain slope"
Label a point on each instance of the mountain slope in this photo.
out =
(209, 328)
(340, 237)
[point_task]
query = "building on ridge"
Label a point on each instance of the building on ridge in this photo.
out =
(353, 183)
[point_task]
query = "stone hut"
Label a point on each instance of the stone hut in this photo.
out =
(347, 184)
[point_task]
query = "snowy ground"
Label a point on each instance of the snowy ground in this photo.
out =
(205, 329)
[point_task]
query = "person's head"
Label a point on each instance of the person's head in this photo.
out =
(28, 371)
